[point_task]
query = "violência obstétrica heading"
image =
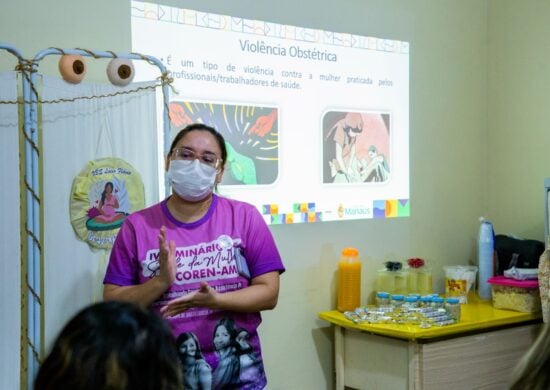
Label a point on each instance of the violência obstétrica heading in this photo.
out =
(261, 47)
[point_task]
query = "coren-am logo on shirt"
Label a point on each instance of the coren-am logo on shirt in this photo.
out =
(203, 262)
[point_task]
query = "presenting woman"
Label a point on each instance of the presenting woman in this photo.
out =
(184, 256)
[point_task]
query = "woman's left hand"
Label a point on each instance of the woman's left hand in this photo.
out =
(204, 297)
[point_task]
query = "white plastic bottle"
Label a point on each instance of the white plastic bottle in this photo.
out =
(486, 247)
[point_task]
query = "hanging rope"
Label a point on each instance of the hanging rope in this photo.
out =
(166, 79)
(28, 187)
(25, 67)
(145, 58)
(30, 141)
(34, 293)
(89, 52)
(34, 351)
(70, 100)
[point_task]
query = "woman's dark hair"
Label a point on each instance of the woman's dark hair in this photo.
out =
(186, 336)
(531, 372)
(104, 193)
(201, 127)
(112, 345)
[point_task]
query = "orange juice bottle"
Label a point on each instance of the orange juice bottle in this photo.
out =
(349, 280)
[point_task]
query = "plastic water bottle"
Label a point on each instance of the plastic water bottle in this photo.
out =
(486, 247)
(349, 280)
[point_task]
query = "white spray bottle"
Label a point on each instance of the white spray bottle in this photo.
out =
(486, 247)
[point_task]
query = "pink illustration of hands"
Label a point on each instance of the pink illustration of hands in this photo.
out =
(263, 124)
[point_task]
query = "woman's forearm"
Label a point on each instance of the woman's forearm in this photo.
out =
(144, 294)
(250, 299)
(262, 294)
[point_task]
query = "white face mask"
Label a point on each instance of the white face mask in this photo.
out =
(191, 180)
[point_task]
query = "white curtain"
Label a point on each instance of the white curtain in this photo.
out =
(10, 252)
(73, 133)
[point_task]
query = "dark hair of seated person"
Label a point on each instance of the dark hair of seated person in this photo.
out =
(115, 346)
(532, 372)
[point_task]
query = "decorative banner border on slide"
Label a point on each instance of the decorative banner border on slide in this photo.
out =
(305, 212)
(391, 208)
(257, 27)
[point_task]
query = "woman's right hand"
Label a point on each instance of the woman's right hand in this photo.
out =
(167, 259)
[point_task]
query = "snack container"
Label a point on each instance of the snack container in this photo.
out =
(459, 281)
(512, 294)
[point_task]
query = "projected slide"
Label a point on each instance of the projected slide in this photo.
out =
(316, 123)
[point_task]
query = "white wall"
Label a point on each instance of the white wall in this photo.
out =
(448, 120)
(519, 119)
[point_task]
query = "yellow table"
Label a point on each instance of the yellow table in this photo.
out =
(479, 351)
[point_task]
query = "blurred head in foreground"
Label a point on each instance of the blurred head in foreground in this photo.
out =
(112, 345)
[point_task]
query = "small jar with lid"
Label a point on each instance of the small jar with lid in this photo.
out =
(452, 306)
(410, 302)
(397, 300)
(438, 303)
(382, 299)
(425, 301)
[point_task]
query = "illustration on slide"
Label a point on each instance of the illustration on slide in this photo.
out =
(356, 147)
(251, 135)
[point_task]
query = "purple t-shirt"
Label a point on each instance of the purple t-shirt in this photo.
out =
(226, 248)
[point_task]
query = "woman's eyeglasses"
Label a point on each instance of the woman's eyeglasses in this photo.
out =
(187, 154)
